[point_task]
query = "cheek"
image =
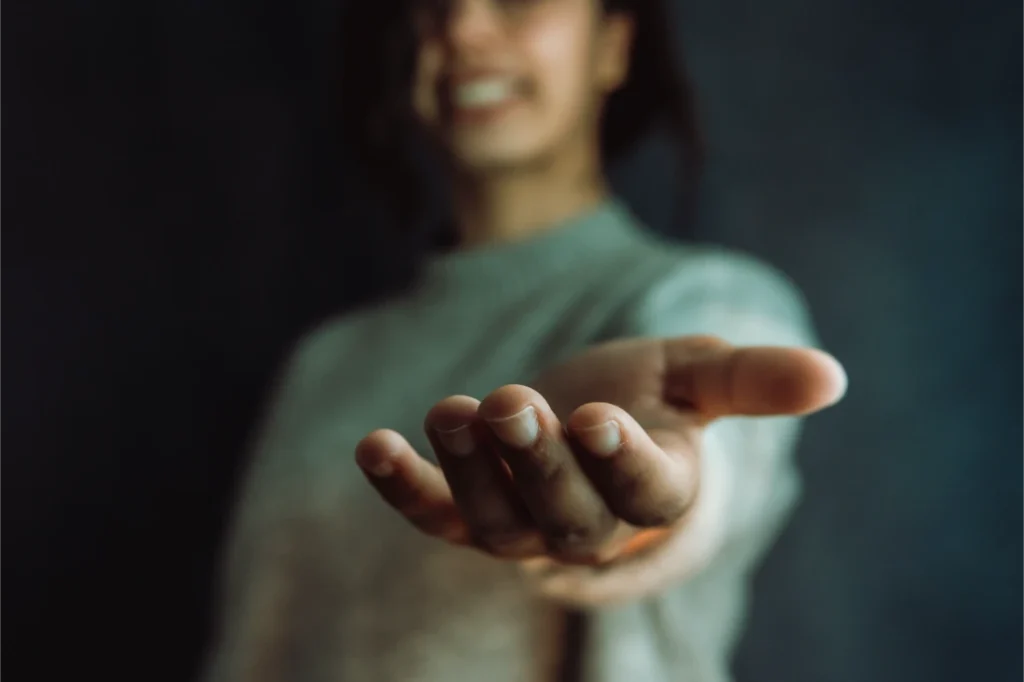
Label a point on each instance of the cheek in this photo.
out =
(560, 67)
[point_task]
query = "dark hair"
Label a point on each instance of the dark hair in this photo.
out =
(377, 53)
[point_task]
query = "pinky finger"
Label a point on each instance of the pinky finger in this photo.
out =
(414, 487)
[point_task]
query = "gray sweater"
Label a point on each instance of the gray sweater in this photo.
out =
(324, 582)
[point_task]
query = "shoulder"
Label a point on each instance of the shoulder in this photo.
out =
(313, 358)
(706, 289)
(319, 348)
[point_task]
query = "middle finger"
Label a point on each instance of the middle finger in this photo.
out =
(497, 519)
(565, 506)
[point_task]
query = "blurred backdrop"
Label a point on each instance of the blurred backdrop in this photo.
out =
(173, 219)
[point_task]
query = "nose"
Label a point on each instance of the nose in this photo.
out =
(471, 23)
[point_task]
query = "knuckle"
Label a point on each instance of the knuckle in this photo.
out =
(702, 344)
(655, 513)
(407, 501)
(428, 521)
(541, 464)
(643, 498)
(546, 461)
(625, 490)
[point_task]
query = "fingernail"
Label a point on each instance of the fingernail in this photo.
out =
(375, 464)
(602, 440)
(458, 441)
(520, 430)
(840, 379)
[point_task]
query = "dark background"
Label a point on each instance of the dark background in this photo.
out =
(167, 236)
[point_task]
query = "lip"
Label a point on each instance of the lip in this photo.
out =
(466, 75)
(475, 116)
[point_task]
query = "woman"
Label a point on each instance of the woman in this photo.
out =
(580, 463)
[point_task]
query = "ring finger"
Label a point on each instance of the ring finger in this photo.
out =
(480, 484)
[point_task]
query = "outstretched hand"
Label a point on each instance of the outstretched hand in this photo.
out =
(601, 447)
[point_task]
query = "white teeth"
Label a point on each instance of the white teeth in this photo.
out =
(483, 92)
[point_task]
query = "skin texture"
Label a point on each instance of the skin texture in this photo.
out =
(564, 494)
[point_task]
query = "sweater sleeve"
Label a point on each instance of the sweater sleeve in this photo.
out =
(749, 480)
(270, 564)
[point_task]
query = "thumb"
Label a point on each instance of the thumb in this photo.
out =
(717, 379)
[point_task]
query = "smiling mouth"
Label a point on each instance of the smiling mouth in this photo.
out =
(482, 99)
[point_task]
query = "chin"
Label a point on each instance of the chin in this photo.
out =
(495, 155)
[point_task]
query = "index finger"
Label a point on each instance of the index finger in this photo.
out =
(717, 379)
(414, 487)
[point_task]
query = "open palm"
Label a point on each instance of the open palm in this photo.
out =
(601, 446)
